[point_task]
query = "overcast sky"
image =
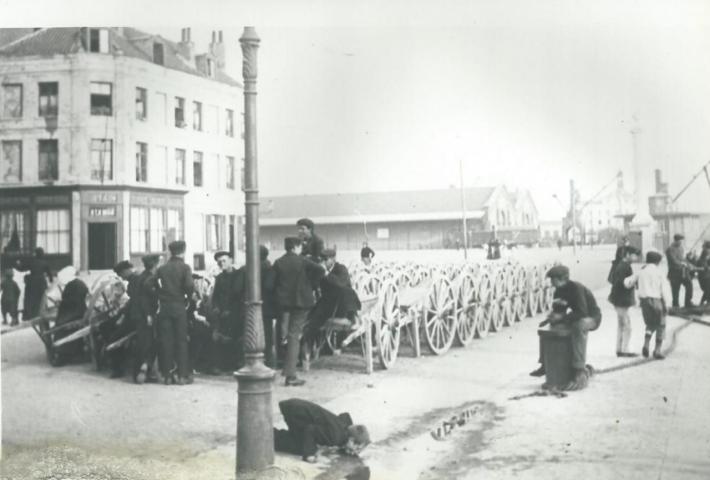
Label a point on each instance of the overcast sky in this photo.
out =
(525, 93)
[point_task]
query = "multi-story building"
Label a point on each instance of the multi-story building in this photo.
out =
(115, 142)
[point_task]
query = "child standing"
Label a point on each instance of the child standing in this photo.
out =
(10, 297)
(655, 298)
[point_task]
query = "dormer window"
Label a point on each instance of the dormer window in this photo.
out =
(158, 53)
(98, 40)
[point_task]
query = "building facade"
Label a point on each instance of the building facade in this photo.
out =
(404, 220)
(115, 142)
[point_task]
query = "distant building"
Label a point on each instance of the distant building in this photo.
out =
(603, 218)
(404, 220)
(550, 230)
(115, 142)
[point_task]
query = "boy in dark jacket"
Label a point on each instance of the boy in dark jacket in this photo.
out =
(622, 296)
(10, 298)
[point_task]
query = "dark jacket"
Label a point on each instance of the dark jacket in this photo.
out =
(73, 303)
(175, 283)
(677, 266)
(10, 292)
(269, 307)
(227, 303)
(620, 295)
(143, 294)
(314, 425)
(337, 294)
(313, 248)
(580, 301)
(295, 277)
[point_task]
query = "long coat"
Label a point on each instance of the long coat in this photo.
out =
(227, 303)
(295, 277)
(337, 294)
(310, 425)
(620, 295)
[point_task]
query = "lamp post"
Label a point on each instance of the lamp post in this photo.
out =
(255, 438)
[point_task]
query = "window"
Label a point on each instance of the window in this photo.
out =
(229, 123)
(197, 169)
(141, 162)
(141, 103)
(197, 116)
(48, 162)
(179, 166)
(158, 53)
(229, 172)
(215, 232)
(139, 229)
(11, 162)
(53, 231)
(161, 108)
(101, 159)
(101, 98)
(48, 99)
(157, 230)
(179, 112)
(14, 231)
(12, 101)
(98, 40)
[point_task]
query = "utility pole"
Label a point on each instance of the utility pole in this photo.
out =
(463, 211)
(573, 215)
(255, 438)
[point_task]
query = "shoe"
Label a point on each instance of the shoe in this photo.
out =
(644, 352)
(658, 356)
(539, 372)
(294, 382)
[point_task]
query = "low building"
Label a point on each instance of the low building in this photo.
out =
(115, 142)
(404, 220)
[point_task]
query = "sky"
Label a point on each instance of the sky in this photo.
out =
(529, 94)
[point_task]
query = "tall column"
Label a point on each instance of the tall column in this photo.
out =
(642, 222)
(255, 441)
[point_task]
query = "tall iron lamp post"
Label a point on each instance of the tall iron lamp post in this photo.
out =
(255, 438)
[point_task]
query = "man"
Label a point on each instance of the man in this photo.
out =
(312, 243)
(310, 425)
(295, 276)
(704, 273)
(337, 296)
(35, 283)
(71, 307)
(175, 287)
(269, 306)
(144, 311)
(617, 257)
(622, 296)
(679, 271)
(366, 254)
(227, 313)
(579, 314)
(123, 322)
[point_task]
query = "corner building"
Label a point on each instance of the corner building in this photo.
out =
(114, 142)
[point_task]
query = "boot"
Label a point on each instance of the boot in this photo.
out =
(538, 372)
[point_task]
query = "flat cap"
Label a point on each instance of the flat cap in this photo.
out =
(150, 260)
(177, 247)
(222, 253)
(328, 253)
(305, 222)
(558, 271)
(121, 266)
(653, 257)
(678, 236)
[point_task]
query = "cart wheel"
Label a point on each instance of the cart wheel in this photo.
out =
(388, 325)
(440, 316)
(467, 311)
(331, 338)
(507, 312)
(483, 307)
(54, 357)
(521, 306)
(496, 316)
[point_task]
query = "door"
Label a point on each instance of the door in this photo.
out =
(102, 246)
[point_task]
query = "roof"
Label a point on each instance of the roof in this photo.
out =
(374, 206)
(127, 41)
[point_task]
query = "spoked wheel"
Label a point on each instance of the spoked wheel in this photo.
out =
(331, 339)
(106, 299)
(507, 311)
(440, 316)
(496, 315)
(483, 326)
(388, 325)
(467, 311)
(533, 291)
(521, 306)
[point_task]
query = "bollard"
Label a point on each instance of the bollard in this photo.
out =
(556, 350)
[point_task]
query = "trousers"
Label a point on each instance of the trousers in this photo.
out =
(297, 319)
(578, 331)
(172, 334)
(623, 332)
(687, 284)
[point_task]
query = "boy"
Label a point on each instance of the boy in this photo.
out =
(623, 298)
(10, 297)
(654, 295)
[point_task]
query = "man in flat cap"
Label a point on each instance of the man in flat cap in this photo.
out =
(226, 314)
(366, 254)
(679, 271)
(269, 306)
(574, 310)
(175, 288)
(338, 299)
(144, 310)
(312, 244)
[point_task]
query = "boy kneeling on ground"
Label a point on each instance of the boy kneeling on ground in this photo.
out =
(575, 310)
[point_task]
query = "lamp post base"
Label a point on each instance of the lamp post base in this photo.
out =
(255, 435)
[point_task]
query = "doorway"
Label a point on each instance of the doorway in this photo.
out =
(102, 246)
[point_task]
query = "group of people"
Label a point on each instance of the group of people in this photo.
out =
(36, 281)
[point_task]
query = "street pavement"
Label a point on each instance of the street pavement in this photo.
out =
(646, 420)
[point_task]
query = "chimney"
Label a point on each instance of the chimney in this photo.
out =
(185, 46)
(217, 50)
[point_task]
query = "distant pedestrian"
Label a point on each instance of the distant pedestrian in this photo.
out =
(704, 273)
(679, 271)
(654, 298)
(310, 425)
(576, 312)
(366, 254)
(35, 283)
(295, 276)
(175, 288)
(10, 298)
(622, 296)
(312, 244)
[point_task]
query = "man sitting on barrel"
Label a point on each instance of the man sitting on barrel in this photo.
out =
(575, 311)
